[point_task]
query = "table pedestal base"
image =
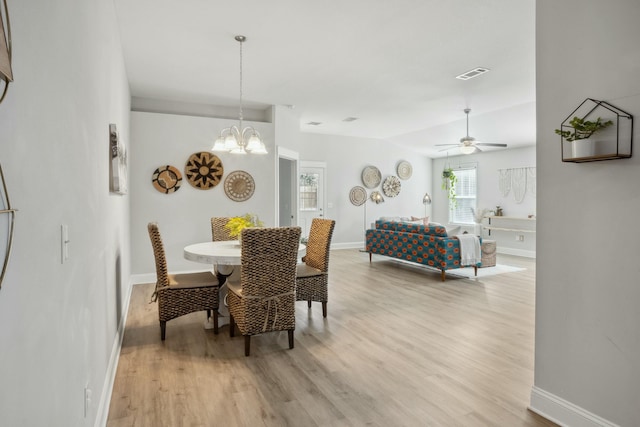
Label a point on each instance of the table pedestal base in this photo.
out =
(223, 311)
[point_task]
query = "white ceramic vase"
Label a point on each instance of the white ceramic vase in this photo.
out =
(582, 148)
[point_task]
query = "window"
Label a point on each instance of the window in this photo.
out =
(461, 209)
(309, 191)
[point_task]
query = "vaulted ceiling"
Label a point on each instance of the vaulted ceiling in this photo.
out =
(391, 65)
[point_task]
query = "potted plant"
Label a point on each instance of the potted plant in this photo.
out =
(236, 224)
(448, 183)
(582, 130)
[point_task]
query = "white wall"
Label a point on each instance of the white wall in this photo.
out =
(346, 157)
(184, 216)
(59, 322)
(488, 163)
(587, 293)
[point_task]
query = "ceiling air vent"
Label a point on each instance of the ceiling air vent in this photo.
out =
(472, 73)
(314, 123)
(350, 119)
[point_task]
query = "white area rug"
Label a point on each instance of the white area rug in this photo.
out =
(482, 272)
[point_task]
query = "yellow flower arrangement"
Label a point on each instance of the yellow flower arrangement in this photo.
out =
(236, 224)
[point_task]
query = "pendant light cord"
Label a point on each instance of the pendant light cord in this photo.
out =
(241, 117)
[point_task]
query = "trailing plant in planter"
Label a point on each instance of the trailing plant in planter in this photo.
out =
(448, 183)
(583, 129)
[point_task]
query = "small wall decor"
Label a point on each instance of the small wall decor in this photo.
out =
(371, 177)
(239, 186)
(376, 197)
(203, 170)
(404, 169)
(358, 195)
(118, 162)
(7, 234)
(166, 179)
(594, 131)
(391, 186)
(6, 74)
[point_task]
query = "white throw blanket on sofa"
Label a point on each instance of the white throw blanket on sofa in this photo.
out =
(470, 252)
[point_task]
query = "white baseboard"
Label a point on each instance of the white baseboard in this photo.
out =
(110, 376)
(516, 252)
(138, 279)
(562, 412)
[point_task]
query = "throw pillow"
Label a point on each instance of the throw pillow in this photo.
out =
(425, 220)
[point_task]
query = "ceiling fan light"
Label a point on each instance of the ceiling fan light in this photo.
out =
(467, 149)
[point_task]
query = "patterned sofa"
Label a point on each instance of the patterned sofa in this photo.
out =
(408, 241)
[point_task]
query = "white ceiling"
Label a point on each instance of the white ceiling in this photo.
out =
(391, 64)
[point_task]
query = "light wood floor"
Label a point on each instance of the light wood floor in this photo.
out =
(398, 348)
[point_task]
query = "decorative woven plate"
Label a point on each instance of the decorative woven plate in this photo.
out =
(404, 170)
(239, 186)
(371, 177)
(166, 179)
(203, 170)
(358, 195)
(391, 186)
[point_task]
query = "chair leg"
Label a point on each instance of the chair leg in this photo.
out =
(290, 331)
(324, 309)
(163, 329)
(475, 269)
(208, 314)
(309, 303)
(247, 345)
(215, 322)
(232, 326)
(442, 274)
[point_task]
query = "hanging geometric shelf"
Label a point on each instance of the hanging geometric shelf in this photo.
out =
(614, 141)
(7, 234)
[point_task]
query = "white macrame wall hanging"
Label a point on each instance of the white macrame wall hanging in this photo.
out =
(519, 181)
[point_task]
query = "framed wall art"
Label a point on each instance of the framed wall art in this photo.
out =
(117, 162)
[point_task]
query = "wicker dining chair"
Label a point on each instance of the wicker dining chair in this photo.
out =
(312, 276)
(218, 230)
(264, 300)
(180, 294)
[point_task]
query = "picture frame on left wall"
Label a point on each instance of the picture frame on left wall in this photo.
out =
(117, 162)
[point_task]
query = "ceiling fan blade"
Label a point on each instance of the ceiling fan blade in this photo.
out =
(489, 144)
(478, 150)
(446, 149)
(442, 145)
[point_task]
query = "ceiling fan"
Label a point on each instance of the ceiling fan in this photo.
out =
(468, 144)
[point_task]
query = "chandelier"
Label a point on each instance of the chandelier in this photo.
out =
(236, 139)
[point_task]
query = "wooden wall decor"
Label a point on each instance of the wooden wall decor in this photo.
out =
(239, 186)
(166, 179)
(204, 170)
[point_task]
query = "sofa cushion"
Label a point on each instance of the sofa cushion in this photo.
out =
(409, 227)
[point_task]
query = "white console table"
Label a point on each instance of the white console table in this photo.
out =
(509, 226)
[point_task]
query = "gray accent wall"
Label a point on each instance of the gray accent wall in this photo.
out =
(587, 364)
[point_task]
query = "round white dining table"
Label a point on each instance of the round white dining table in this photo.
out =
(226, 257)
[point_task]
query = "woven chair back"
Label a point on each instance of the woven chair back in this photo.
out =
(218, 230)
(269, 257)
(319, 244)
(158, 253)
